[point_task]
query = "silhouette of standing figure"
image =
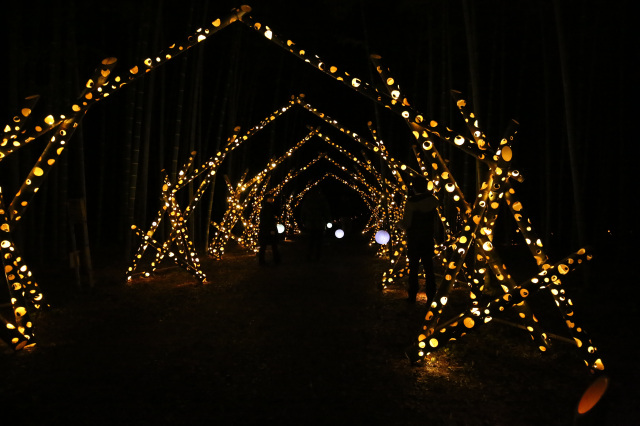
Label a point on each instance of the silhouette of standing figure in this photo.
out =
(314, 215)
(268, 231)
(418, 221)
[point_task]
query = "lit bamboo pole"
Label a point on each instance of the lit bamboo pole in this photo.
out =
(377, 148)
(462, 247)
(183, 178)
(548, 278)
(476, 279)
(24, 293)
(99, 87)
(494, 188)
(392, 163)
(393, 103)
(185, 248)
(235, 206)
(559, 294)
(439, 170)
(43, 166)
(417, 122)
(183, 255)
(357, 162)
(168, 192)
(11, 139)
(490, 258)
(438, 175)
(251, 226)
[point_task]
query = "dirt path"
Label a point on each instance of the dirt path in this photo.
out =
(301, 343)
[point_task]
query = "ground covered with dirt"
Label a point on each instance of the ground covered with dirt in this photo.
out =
(300, 343)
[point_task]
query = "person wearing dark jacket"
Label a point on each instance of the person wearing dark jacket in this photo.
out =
(314, 215)
(268, 231)
(419, 223)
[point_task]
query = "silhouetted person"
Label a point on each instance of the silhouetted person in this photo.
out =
(419, 223)
(314, 216)
(268, 231)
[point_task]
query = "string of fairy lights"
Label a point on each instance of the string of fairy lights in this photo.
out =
(24, 292)
(470, 231)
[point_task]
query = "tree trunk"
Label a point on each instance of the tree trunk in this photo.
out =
(194, 133)
(568, 110)
(135, 143)
(143, 181)
(472, 52)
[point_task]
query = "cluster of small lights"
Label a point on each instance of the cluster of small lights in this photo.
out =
(472, 231)
(475, 222)
(238, 201)
(206, 174)
(61, 128)
(23, 291)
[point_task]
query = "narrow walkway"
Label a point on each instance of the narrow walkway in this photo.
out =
(298, 343)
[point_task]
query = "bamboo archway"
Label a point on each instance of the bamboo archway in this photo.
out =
(477, 219)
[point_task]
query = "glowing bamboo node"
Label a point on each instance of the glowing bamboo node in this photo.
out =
(507, 154)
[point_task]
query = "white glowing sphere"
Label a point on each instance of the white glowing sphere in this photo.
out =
(329, 225)
(339, 233)
(280, 228)
(382, 237)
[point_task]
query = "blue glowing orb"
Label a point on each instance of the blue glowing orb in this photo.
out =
(339, 233)
(382, 237)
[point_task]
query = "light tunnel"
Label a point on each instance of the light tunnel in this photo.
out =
(382, 185)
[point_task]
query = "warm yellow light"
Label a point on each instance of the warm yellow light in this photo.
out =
(593, 394)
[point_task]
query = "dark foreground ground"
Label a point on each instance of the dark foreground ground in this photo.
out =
(297, 344)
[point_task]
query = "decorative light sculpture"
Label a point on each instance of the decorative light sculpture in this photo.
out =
(206, 173)
(382, 237)
(62, 127)
(477, 220)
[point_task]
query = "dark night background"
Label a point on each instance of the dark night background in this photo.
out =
(237, 78)
(561, 69)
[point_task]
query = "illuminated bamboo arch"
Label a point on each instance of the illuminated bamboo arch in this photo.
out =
(61, 128)
(476, 225)
(478, 220)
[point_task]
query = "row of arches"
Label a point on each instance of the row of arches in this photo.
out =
(467, 254)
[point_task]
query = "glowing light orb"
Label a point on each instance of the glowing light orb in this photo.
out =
(280, 228)
(329, 225)
(339, 233)
(382, 237)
